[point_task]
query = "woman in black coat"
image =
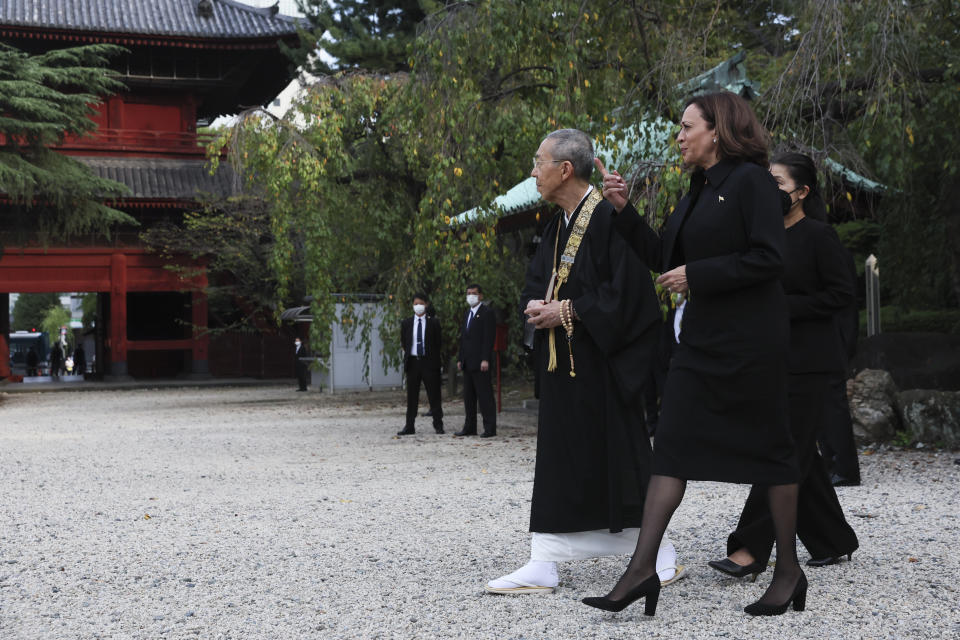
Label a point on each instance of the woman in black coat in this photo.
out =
(818, 285)
(724, 404)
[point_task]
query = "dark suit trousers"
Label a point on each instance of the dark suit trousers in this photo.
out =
(478, 389)
(302, 376)
(418, 370)
(836, 432)
(821, 526)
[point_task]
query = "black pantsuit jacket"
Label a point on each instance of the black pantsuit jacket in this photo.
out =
(724, 405)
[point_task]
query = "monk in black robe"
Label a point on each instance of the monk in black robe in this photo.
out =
(587, 288)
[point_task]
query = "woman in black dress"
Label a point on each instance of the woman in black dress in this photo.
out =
(724, 403)
(819, 286)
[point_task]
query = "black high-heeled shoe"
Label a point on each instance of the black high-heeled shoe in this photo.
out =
(649, 588)
(799, 600)
(731, 568)
(824, 562)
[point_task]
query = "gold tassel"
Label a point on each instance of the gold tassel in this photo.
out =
(552, 363)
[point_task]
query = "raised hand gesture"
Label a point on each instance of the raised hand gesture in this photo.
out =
(614, 186)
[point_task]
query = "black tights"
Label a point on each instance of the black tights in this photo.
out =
(664, 496)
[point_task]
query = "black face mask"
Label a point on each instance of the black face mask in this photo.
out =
(785, 201)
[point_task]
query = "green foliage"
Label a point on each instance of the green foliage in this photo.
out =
(869, 83)
(360, 181)
(894, 319)
(232, 240)
(88, 305)
(369, 35)
(43, 99)
(30, 309)
(902, 439)
(861, 238)
(56, 317)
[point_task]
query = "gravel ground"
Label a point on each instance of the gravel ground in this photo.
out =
(264, 513)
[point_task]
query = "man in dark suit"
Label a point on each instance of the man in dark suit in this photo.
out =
(300, 365)
(476, 353)
(421, 340)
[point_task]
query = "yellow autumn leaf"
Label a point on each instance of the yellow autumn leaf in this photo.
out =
(457, 171)
(910, 134)
(849, 196)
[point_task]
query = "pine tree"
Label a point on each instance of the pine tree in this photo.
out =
(30, 309)
(371, 35)
(43, 99)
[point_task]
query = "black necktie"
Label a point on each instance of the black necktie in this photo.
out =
(419, 337)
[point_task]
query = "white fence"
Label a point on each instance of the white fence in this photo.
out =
(350, 369)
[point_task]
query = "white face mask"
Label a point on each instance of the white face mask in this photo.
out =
(473, 299)
(419, 309)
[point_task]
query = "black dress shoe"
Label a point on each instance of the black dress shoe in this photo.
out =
(731, 568)
(464, 432)
(440, 430)
(406, 432)
(487, 435)
(798, 598)
(829, 560)
(649, 590)
(840, 481)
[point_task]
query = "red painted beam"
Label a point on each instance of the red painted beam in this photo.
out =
(118, 313)
(59, 269)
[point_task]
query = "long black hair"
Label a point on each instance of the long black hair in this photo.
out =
(803, 172)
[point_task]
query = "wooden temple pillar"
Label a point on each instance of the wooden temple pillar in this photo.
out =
(118, 316)
(201, 339)
(4, 336)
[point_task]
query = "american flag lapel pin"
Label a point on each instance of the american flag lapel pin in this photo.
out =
(719, 198)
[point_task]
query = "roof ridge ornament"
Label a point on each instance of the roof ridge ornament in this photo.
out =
(205, 8)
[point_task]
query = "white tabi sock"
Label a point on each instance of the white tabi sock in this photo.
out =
(666, 561)
(535, 572)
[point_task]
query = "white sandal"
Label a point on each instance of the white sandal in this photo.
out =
(522, 587)
(678, 572)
